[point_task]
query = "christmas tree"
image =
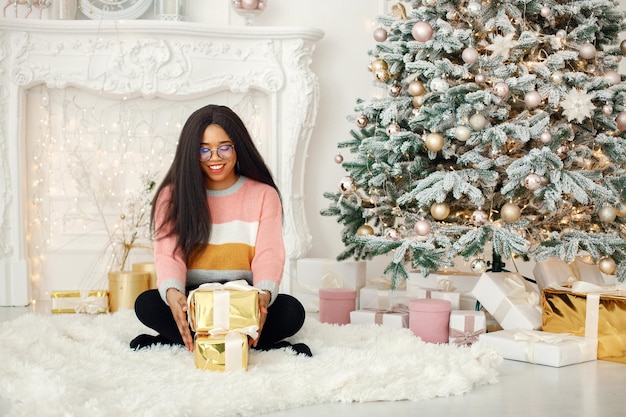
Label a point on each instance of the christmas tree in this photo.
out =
(502, 125)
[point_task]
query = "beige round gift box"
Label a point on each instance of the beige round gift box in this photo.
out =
(125, 287)
(147, 267)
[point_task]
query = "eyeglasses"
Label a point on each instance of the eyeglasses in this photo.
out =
(223, 152)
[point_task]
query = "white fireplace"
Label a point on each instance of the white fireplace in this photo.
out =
(91, 109)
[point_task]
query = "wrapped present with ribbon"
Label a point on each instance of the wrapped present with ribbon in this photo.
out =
(510, 299)
(397, 316)
(313, 274)
(223, 352)
(590, 310)
(466, 326)
(553, 271)
(372, 298)
(223, 307)
(86, 302)
(463, 282)
(585, 269)
(445, 291)
(540, 347)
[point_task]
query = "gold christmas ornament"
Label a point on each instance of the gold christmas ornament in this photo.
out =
(439, 211)
(418, 101)
(620, 210)
(434, 142)
(622, 46)
(607, 265)
(478, 266)
(379, 64)
(510, 213)
(365, 230)
(416, 88)
(398, 11)
(381, 75)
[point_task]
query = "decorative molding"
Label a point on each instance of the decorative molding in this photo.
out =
(169, 60)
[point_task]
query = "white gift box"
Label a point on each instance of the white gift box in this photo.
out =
(458, 281)
(453, 297)
(586, 270)
(542, 348)
(466, 326)
(316, 273)
(373, 298)
(553, 271)
(397, 317)
(512, 301)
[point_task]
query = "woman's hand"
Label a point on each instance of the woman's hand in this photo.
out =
(264, 302)
(178, 304)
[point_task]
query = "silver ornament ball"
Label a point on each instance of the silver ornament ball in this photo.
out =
(394, 90)
(362, 121)
(462, 133)
(347, 185)
(607, 214)
(478, 121)
(439, 85)
(479, 217)
(478, 266)
(545, 11)
(607, 109)
(532, 182)
(474, 8)
(393, 234)
(556, 77)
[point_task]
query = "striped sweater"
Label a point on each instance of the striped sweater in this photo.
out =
(246, 241)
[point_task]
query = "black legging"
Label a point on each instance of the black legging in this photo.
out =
(284, 318)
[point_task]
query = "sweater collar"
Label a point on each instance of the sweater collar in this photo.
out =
(227, 191)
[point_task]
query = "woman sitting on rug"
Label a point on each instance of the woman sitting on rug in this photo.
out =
(217, 217)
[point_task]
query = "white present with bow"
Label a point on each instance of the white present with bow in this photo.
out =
(312, 274)
(396, 316)
(466, 326)
(542, 348)
(461, 282)
(553, 271)
(510, 299)
(585, 269)
(372, 298)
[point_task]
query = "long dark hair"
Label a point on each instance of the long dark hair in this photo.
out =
(188, 216)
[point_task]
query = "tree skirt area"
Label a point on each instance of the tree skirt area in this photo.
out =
(81, 365)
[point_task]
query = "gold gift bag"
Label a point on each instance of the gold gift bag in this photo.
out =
(221, 353)
(125, 287)
(149, 268)
(233, 305)
(565, 311)
(88, 302)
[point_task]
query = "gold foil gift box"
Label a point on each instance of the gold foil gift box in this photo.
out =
(232, 305)
(88, 302)
(588, 310)
(221, 353)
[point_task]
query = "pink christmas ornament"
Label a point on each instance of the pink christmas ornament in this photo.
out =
(249, 4)
(587, 51)
(545, 11)
(422, 227)
(612, 77)
(469, 55)
(621, 120)
(380, 35)
(532, 99)
(501, 89)
(422, 31)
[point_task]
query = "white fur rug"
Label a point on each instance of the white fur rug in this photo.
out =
(80, 365)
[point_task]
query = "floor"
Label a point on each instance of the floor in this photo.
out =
(592, 389)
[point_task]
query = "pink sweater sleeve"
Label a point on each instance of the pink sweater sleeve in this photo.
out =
(171, 269)
(269, 255)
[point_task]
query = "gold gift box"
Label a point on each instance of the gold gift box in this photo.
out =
(216, 353)
(242, 310)
(89, 302)
(566, 311)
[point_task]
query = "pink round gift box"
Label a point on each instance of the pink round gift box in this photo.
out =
(429, 319)
(336, 305)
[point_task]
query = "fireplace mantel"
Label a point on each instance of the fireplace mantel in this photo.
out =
(153, 59)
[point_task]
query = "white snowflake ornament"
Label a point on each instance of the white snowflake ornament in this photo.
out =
(577, 105)
(502, 45)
